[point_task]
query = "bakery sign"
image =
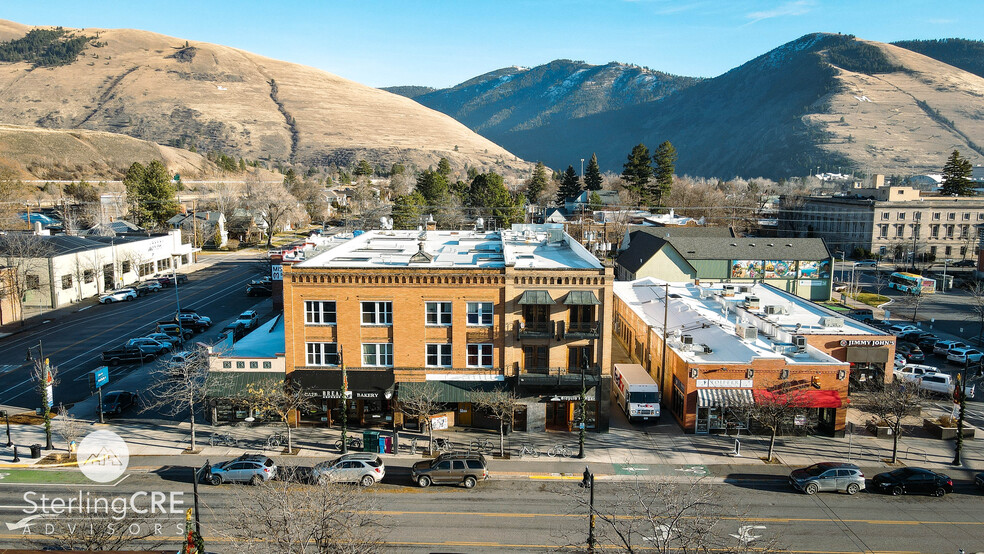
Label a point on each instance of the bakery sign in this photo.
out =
(866, 342)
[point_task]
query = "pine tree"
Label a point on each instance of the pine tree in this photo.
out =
(536, 184)
(489, 196)
(432, 186)
(663, 159)
(444, 167)
(363, 169)
(151, 194)
(570, 187)
(592, 175)
(407, 210)
(637, 171)
(956, 176)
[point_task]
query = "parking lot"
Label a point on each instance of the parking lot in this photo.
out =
(74, 339)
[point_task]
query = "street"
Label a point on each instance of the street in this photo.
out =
(74, 342)
(531, 515)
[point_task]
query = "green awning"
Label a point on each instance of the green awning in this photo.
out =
(228, 384)
(452, 391)
(536, 297)
(581, 298)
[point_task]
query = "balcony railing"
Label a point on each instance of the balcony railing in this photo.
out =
(583, 330)
(534, 329)
(559, 371)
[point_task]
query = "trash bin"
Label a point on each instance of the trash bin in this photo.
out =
(386, 444)
(35, 451)
(371, 441)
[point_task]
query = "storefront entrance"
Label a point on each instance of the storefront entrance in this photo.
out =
(719, 411)
(559, 415)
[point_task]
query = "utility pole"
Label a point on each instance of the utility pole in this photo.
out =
(344, 414)
(583, 418)
(666, 316)
(587, 482)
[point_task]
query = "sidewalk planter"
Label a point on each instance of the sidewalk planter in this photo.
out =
(947, 432)
(879, 431)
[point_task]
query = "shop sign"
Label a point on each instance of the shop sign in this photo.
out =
(724, 383)
(439, 423)
(866, 342)
(799, 420)
(277, 272)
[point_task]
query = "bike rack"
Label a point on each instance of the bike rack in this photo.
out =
(924, 454)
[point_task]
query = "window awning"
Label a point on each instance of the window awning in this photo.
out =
(581, 298)
(227, 384)
(867, 354)
(802, 398)
(723, 398)
(536, 297)
(451, 391)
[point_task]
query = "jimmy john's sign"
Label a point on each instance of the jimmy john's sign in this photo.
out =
(866, 342)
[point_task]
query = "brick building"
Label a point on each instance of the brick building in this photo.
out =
(731, 344)
(525, 309)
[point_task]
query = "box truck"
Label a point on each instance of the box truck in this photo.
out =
(636, 392)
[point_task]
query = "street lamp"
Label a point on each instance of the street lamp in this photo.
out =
(46, 396)
(6, 416)
(587, 482)
(583, 402)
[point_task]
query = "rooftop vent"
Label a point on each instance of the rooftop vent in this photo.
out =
(774, 309)
(832, 321)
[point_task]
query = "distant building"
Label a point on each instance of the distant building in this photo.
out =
(582, 202)
(201, 227)
(257, 358)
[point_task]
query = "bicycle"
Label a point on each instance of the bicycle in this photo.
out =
(561, 450)
(528, 448)
(443, 445)
(353, 443)
(222, 439)
(482, 447)
(275, 440)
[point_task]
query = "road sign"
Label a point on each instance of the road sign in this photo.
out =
(100, 377)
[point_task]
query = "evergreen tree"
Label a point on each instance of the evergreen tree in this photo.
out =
(594, 202)
(488, 196)
(407, 210)
(663, 159)
(444, 167)
(150, 193)
(637, 172)
(432, 186)
(536, 184)
(362, 169)
(592, 175)
(956, 176)
(397, 169)
(570, 187)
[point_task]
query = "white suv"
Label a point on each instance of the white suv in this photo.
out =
(964, 355)
(943, 347)
(118, 296)
(248, 319)
(942, 383)
(912, 372)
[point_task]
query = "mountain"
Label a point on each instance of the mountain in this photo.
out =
(965, 54)
(823, 100)
(410, 91)
(183, 93)
(518, 98)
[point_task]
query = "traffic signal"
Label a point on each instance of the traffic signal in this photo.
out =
(815, 381)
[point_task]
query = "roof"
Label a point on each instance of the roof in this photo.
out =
(712, 320)
(522, 246)
(642, 247)
(266, 341)
(693, 231)
(118, 226)
(59, 245)
(744, 248)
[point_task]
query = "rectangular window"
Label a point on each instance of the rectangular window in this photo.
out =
(66, 282)
(267, 365)
(125, 267)
(146, 269)
(949, 231)
(883, 231)
(322, 353)
(439, 355)
(885, 216)
(240, 365)
(917, 216)
(479, 355)
(915, 230)
(480, 313)
(951, 216)
(932, 251)
(377, 313)
(980, 216)
(535, 357)
(438, 313)
(88, 276)
(948, 251)
(377, 354)
(579, 357)
(936, 216)
(966, 216)
(963, 251)
(899, 230)
(319, 312)
(226, 365)
(33, 282)
(901, 216)
(254, 365)
(964, 231)
(934, 231)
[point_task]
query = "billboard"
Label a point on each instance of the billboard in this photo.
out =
(815, 270)
(746, 269)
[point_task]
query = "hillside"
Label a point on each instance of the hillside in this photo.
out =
(822, 100)
(965, 54)
(183, 93)
(518, 98)
(410, 91)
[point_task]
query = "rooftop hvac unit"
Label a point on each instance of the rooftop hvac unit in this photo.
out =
(799, 341)
(687, 339)
(746, 332)
(728, 290)
(774, 310)
(752, 302)
(707, 349)
(705, 293)
(743, 289)
(832, 321)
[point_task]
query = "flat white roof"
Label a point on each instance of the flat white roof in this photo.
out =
(711, 319)
(523, 246)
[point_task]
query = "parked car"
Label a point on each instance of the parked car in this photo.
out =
(914, 336)
(965, 263)
(866, 264)
(116, 401)
(173, 330)
(900, 361)
(168, 280)
(943, 347)
(124, 354)
(177, 363)
(147, 287)
(911, 352)
(451, 468)
(912, 372)
(964, 356)
(900, 328)
(248, 319)
(364, 468)
(259, 288)
(828, 476)
(121, 295)
(927, 343)
(164, 338)
(979, 481)
(149, 345)
(913, 480)
(942, 384)
(194, 322)
(248, 468)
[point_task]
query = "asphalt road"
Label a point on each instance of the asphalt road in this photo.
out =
(74, 342)
(534, 516)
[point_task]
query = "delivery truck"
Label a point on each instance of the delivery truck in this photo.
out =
(636, 392)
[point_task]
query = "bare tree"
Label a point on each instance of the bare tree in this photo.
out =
(226, 197)
(421, 402)
(26, 255)
(781, 403)
(181, 390)
(101, 526)
(69, 428)
(274, 204)
(276, 397)
(892, 403)
(502, 404)
(977, 305)
(281, 517)
(663, 516)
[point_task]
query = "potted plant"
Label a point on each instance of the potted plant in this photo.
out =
(945, 427)
(879, 428)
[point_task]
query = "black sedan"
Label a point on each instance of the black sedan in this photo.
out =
(913, 480)
(979, 481)
(114, 402)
